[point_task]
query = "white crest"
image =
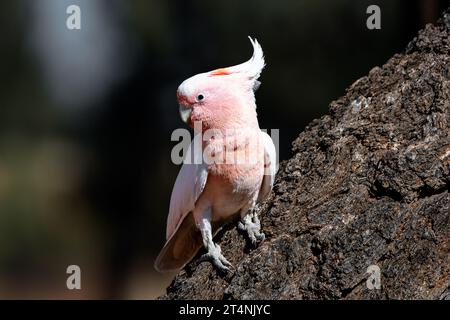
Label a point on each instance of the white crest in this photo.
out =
(250, 69)
(253, 67)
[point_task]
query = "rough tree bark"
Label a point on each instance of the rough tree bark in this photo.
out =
(368, 185)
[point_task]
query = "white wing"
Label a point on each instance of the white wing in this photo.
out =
(188, 186)
(270, 166)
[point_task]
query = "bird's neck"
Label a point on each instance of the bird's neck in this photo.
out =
(237, 118)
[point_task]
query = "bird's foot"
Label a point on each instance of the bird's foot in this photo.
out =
(215, 256)
(251, 224)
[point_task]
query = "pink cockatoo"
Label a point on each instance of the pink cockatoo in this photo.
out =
(208, 194)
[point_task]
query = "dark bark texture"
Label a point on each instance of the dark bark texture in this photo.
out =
(368, 185)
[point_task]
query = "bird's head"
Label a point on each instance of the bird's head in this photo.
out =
(223, 95)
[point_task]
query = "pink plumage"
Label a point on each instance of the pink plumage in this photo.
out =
(237, 167)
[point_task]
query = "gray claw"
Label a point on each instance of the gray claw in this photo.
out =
(217, 259)
(252, 226)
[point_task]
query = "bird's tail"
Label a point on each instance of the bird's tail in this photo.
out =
(180, 248)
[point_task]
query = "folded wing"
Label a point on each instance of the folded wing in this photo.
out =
(183, 238)
(188, 186)
(270, 166)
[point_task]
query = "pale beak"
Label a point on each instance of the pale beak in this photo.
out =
(185, 113)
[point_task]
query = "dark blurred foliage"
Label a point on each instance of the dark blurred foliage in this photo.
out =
(86, 117)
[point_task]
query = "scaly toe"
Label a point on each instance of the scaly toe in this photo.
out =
(261, 236)
(254, 234)
(225, 261)
(204, 257)
(216, 258)
(251, 236)
(222, 264)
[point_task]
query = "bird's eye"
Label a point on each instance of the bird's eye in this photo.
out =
(200, 97)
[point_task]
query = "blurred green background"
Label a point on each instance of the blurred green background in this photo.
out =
(86, 117)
